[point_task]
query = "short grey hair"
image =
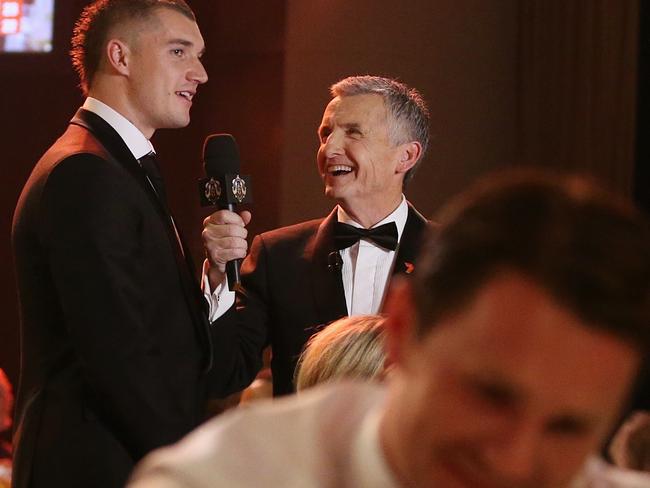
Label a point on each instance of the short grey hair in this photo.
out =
(408, 115)
(351, 347)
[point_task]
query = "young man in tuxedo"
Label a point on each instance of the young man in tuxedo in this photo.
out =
(296, 279)
(114, 335)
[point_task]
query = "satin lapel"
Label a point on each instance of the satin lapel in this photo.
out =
(327, 284)
(409, 244)
(120, 152)
(121, 155)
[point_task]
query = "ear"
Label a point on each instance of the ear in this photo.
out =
(400, 321)
(409, 155)
(118, 55)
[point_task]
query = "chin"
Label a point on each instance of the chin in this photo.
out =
(339, 190)
(179, 124)
(180, 118)
(330, 192)
(184, 121)
(339, 199)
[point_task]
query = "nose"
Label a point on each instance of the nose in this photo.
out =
(197, 73)
(333, 145)
(515, 456)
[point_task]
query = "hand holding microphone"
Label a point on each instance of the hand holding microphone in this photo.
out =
(224, 233)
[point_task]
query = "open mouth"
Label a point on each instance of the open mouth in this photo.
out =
(466, 472)
(339, 170)
(186, 95)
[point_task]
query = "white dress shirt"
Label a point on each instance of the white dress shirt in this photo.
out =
(135, 140)
(365, 271)
(367, 267)
(325, 437)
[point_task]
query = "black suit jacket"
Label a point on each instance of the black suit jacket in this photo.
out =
(114, 337)
(290, 292)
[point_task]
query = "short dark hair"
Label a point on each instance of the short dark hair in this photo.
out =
(93, 26)
(408, 115)
(588, 248)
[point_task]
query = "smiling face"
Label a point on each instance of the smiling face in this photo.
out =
(512, 391)
(361, 168)
(164, 71)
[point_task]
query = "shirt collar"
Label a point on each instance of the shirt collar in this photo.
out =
(399, 216)
(137, 143)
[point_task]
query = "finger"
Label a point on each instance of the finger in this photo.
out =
(220, 239)
(221, 217)
(220, 260)
(213, 232)
(245, 216)
(227, 251)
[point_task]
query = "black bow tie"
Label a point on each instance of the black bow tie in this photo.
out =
(347, 235)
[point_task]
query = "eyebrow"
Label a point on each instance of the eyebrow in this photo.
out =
(577, 422)
(349, 125)
(186, 43)
(570, 420)
(352, 125)
(496, 386)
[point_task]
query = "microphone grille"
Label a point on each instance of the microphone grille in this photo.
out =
(220, 154)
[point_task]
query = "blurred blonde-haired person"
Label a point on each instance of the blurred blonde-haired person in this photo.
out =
(351, 347)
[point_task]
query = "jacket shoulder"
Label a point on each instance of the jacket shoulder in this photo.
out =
(295, 233)
(74, 141)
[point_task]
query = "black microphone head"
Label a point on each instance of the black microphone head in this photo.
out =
(220, 155)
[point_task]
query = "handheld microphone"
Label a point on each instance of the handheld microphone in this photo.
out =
(223, 186)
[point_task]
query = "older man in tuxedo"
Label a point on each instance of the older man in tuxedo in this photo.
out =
(296, 279)
(114, 334)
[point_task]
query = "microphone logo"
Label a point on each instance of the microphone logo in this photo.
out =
(225, 189)
(239, 188)
(212, 191)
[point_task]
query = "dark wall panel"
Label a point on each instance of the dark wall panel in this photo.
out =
(642, 163)
(39, 96)
(461, 54)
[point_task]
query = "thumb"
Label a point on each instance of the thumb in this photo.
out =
(246, 216)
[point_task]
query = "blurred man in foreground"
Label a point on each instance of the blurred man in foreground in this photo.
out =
(514, 350)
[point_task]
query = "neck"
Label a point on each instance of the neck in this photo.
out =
(107, 91)
(369, 215)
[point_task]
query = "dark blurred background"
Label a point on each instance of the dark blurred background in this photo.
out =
(556, 83)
